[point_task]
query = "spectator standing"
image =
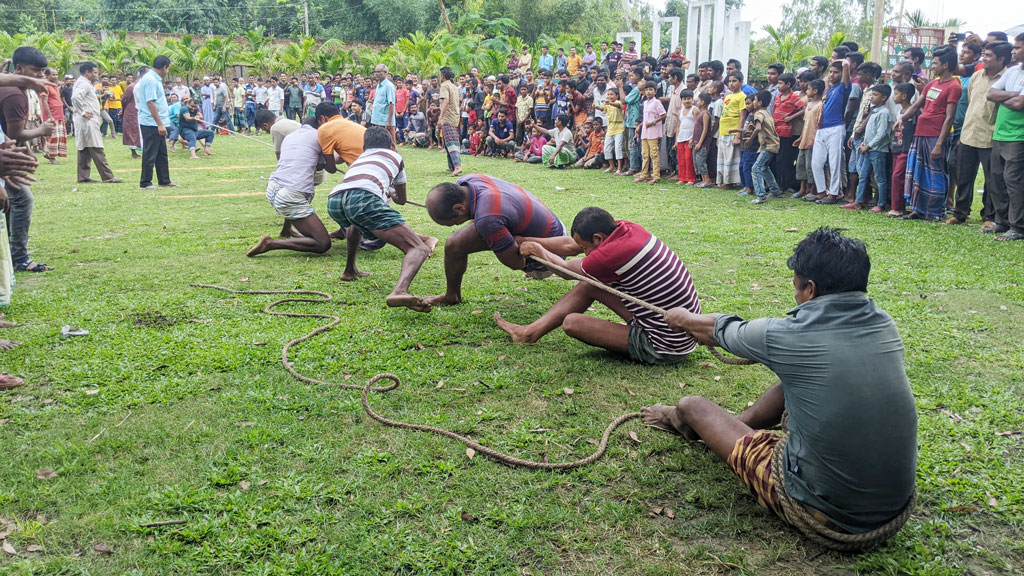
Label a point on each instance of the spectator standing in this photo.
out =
(88, 137)
(56, 144)
(130, 134)
(153, 120)
(1008, 148)
(383, 112)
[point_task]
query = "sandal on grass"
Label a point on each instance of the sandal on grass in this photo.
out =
(32, 266)
(1009, 235)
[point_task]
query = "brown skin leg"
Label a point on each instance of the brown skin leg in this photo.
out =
(416, 253)
(287, 231)
(7, 382)
(568, 313)
(314, 238)
(338, 234)
(457, 248)
(695, 417)
(352, 250)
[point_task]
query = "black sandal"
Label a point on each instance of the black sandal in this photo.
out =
(35, 267)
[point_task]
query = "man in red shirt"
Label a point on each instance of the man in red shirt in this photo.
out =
(630, 259)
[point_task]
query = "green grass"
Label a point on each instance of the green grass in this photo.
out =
(188, 407)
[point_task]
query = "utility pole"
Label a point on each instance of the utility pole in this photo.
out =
(876, 34)
(305, 13)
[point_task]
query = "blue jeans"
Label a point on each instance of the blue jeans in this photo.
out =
(221, 113)
(634, 150)
(747, 159)
(191, 136)
(873, 161)
(250, 114)
(764, 178)
(19, 218)
(172, 133)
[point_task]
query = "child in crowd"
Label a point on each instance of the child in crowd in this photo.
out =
(874, 150)
(768, 146)
(489, 101)
(433, 118)
(717, 103)
(594, 156)
(805, 143)
(787, 109)
(650, 135)
(748, 148)
(524, 106)
(613, 140)
(476, 140)
(581, 139)
(902, 140)
(533, 148)
(927, 171)
(701, 137)
(729, 139)
(684, 134)
(542, 99)
(631, 95)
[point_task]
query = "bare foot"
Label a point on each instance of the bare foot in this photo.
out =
(338, 234)
(444, 300)
(516, 331)
(262, 246)
(666, 418)
(7, 382)
(455, 173)
(431, 243)
(5, 324)
(350, 276)
(206, 152)
(408, 301)
(8, 345)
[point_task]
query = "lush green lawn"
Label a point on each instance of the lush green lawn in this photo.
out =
(176, 406)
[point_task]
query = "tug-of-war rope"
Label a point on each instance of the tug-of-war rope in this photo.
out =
(795, 513)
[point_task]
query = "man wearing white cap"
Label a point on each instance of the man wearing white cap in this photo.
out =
(206, 92)
(383, 112)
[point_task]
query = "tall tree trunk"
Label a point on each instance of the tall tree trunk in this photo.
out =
(444, 14)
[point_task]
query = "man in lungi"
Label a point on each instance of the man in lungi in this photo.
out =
(850, 450)
(450, 116)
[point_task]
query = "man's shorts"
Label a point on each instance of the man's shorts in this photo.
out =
(364, 210)
(641, 349)
(803, 165)
(289, 203)
(751, 460)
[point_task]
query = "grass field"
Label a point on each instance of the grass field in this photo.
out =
(175, 406)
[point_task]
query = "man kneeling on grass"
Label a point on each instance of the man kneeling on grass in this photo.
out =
(851, 453)
(360, 203)
(631, 260)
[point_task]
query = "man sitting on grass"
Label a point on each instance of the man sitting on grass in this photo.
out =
(851, 453)
(360, 203)
(501, 212)
(631, 260)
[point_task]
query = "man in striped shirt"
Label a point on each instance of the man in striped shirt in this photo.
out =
(501, 212)
(632, 260)
(360, 204)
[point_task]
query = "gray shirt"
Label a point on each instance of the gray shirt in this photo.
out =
(852, 450)
(300, 154)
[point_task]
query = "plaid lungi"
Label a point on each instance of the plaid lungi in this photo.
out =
(56, 145)
(927, 179)
(452, 145)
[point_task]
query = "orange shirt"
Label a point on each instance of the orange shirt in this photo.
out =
(342, 137)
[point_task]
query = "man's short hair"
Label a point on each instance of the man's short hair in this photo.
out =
(999, 36)
(29, 56)
(946, 55)
(326, 109)
(883, 89)
(832, 261)
(678, 74)
(450, 195)
(916, 53)
(592, 220)
(377, 137)
(788, 79)
(838, 65)
(841, 51)
(86, 67)
(310, 121)
(778, 67)
(907, 89)
(819, 85)
(851, 46)
(1019, 37)
(1002, 51)
(264, 117)
(765, 97)
(856, 57)
(704, 97)
(905, 66)
(717, 66)
(161, 62)
(871, 68)
(737, 75)
(686, 93)
(735, 64)
(564, 119)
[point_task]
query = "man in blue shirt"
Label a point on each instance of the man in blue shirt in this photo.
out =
(828, 141)
(545, 61)
(153, 120)
(500, 139)
(383, 113)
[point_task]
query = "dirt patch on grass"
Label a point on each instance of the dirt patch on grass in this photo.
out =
(152, 320)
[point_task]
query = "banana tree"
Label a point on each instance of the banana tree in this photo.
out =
(114, 53)
(62, 53)
(263, 61)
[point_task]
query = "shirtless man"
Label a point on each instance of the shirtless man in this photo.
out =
(501, 212)
(632, 260)
(360, 203)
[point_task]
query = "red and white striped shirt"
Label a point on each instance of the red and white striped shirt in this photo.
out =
(636, 262)
(375, 170)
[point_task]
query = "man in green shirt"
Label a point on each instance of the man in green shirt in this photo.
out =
(634, 110)
(850, 457)
(1008, 147)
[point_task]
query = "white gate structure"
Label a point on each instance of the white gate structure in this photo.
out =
(714, 33)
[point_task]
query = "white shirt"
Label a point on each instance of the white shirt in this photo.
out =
(685, 132)
(275, 98)
(563, 136)
(260, 93)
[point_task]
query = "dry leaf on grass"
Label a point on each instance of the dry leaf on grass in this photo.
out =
(717, 378)
(594, 442)
(244, 484)
(478, 311)
(46, 473)
(440, 353)
(103, 549)
(92, 392)
(440, 384)
(502, 357)
(670, 513)
(567, 391)
(262, 482)
(630, 392)
(634, 437)
(993, 502)
(34, 548)
(655, 512)
(791, 230)
(467, 517)
(470, 453)
(9, 549)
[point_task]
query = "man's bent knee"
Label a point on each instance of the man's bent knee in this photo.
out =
(574, 325)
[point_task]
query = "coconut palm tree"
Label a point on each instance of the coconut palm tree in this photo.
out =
(789, 49)
(185, 58)
(115, 53)
(220, 52)
(299, 55)
(62, 53)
